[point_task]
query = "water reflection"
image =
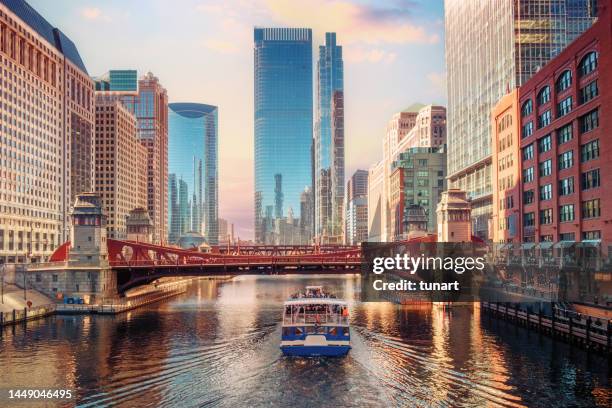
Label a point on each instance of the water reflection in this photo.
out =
(217, 345)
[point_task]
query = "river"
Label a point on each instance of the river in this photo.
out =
(217, 345)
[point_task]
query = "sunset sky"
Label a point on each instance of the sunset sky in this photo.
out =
(202, 51)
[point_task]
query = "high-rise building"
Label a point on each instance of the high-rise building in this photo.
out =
(193, 156)
(120, 163)
(506, 42)
(356, 218)
(414, 127)
(174, 225)
(150, 105)
(283, 125)
(226, 231)
(329, 142)
(184, 214)
(46, 132)
(118, 80)
(376, 175)
(418, 177)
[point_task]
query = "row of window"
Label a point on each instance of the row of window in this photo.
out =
(587, 65)
(589, 179)
(590, 209)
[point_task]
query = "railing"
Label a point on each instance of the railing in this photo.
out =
(315, 318)
(588, 330)
(242, 260)
(20, 315)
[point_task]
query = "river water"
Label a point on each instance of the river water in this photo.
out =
(217, 345)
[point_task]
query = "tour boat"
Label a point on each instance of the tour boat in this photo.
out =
(315, 323)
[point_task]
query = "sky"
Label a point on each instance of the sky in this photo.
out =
(202, 51)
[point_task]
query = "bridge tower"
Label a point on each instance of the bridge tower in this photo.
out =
(88, 232)
(454, 217)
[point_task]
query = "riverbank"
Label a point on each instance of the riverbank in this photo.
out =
(43, 306)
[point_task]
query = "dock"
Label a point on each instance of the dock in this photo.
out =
(586, 331)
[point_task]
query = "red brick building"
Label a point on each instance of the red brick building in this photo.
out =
(566, 142)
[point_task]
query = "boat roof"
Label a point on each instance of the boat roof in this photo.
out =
(315, 301)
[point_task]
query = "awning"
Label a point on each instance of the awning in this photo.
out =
(545, 245)
(564, 244)
(590, 243)
(504, 247)
(528, 245)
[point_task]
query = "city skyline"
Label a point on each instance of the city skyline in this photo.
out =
(217, 36)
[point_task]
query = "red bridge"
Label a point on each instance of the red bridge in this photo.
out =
(137, 263)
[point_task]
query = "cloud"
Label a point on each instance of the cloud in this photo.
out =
(94, 13)
(355, 23)
(357, 54)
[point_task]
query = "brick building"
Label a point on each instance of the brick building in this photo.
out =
(565, 124)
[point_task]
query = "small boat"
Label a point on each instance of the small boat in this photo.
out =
(315, 323)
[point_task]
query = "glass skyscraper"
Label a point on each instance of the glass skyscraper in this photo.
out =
(283, 130)
(492, 47)
(193, 157)
(329, 142)
(124, 80)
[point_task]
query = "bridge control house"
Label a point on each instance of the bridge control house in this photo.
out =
(86, 273)
(552, 148)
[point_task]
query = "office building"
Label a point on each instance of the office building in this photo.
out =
(46, 132)
(375, 202)
(356, 207)
(150, 106)
(505, 42)
(193, 156)
(120, 163)
(418, 177)
(565, 123)
(226, 232)
(505, 121)
(329, 142)
(416, 126)
(283, 125)
(118, 80)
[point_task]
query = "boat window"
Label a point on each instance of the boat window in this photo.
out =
(310, 329)
(287, 331)
(345, 331)
(299, 331)
(333, 331)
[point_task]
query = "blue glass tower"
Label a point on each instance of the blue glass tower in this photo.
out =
(192, 156)
(283, 130)
(329, 142)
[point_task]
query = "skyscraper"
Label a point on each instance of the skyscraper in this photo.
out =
(121, 163)
(119, 80)
(356, 224)
(46, 132)
(329, 142)
(505, 42)
(283, 125)
(150, 106)
(193, 156)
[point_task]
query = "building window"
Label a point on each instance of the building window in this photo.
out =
(590, 179)
(546, 238)
(528, 152)
(528, 175)
(527, 129)
(564, 81)
(588, 63)
(529, 219)
(527, 108)
(564, 134)
(589, 92)
(544, 119)
(566, 213)
(544, 144)
(528, 197)
(591, 235)
(589, 151)
(544, 95)
(546, 192)
(564, 107)
(591, 209)
(546, 168)
(567, 236)
(566, 186)
(566, 160)
(589, 121)
(54, 278)
(546, 216)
